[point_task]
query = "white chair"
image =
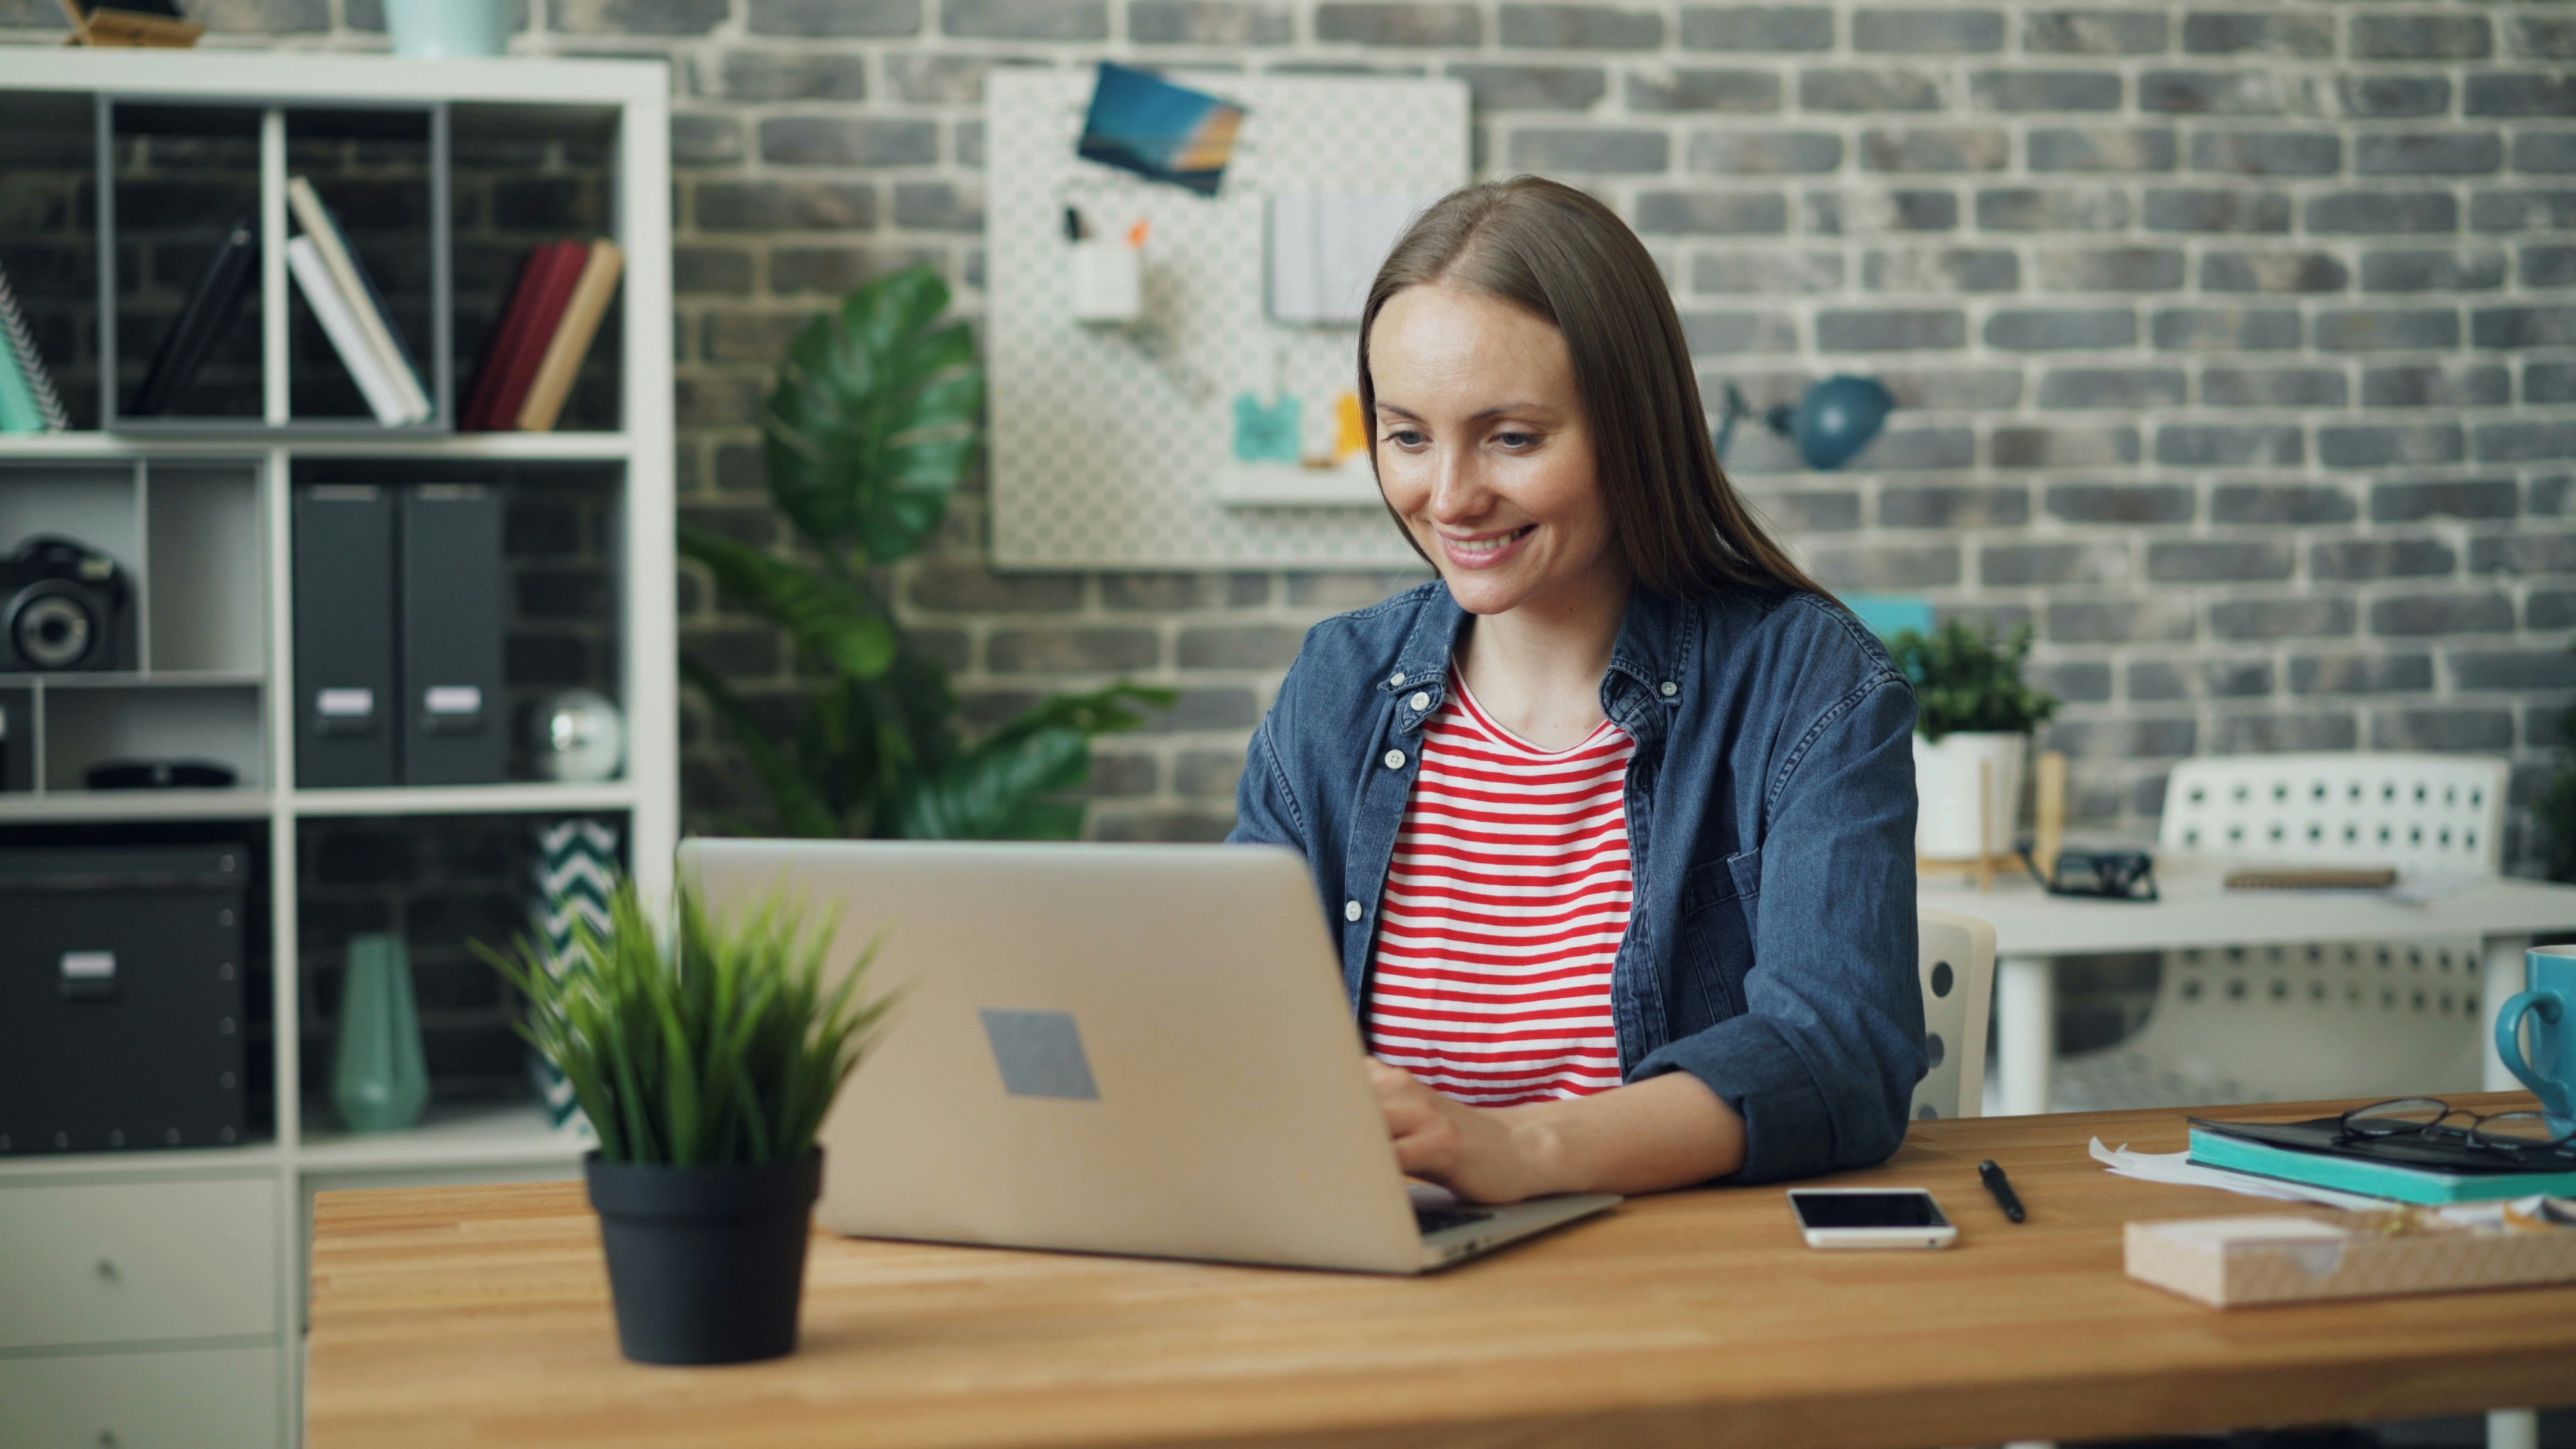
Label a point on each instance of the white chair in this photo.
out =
(2319, 1019)
(1956, 963)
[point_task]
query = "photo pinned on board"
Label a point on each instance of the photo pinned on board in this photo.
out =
(1163, 132)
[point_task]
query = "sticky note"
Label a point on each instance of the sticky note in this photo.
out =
(1265, 432)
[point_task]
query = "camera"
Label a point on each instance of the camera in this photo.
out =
(64, 606)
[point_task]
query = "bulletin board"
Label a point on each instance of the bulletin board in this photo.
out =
(1111, 445)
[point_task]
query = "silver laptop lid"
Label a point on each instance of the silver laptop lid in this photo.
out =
(1128, 1049)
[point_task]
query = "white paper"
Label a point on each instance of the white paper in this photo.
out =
(2178, 1168)
(1292, 259)
(313, 278)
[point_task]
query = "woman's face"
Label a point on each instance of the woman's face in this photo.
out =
(1483, 451)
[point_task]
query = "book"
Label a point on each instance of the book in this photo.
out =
(2349, 1172)
(358, 290)
(19, 340)
(509, 337)
(2300, 1257)
(202, 321)
(572, 337)
(340, 323)
(545, 314)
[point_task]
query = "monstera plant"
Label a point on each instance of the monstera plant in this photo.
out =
(875, 417)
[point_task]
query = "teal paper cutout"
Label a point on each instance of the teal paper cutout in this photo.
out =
(1266, 433)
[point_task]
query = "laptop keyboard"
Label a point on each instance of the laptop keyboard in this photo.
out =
(1441, 1219)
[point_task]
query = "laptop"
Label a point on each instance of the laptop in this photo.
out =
(1139, 1049)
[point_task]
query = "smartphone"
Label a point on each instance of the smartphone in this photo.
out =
(1871, 1217)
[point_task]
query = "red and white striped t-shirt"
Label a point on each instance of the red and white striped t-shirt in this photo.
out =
(1504, 907)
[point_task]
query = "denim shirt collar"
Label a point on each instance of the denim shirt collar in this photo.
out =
(1650, 661)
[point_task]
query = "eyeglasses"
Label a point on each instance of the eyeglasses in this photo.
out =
(2520, 1134)
(2119, 875)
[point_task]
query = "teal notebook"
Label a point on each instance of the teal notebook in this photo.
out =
(18, 412)
(2374, 1179)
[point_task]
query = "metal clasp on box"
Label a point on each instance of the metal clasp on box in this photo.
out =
(452, 709)
(89, 975)
(343, 712)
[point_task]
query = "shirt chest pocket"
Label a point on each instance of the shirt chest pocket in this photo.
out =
(1720, 904)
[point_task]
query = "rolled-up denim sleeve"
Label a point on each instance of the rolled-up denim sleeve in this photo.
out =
(1823, 1061)
(1265, 808)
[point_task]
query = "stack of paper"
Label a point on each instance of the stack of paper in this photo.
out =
(1325, 250)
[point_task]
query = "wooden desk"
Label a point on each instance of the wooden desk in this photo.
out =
(453, 1316)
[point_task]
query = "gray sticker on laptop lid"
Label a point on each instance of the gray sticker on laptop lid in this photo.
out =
(1040, 1054)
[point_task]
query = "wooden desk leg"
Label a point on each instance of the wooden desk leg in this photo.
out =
(2025, 1032)
(2505, 973)
(2513, 1429)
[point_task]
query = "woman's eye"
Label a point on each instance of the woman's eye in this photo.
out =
(1517, 440)
(1407, 438)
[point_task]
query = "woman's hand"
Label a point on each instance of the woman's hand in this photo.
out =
(1664, 1132)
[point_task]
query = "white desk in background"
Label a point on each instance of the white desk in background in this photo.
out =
(2033, 928)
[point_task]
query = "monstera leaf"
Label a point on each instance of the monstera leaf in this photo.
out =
(874, 418)
(1001, 789)
(832, 622)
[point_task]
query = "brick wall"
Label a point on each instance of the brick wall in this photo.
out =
(2235, 343)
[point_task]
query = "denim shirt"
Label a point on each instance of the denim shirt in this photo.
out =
(1770, 804)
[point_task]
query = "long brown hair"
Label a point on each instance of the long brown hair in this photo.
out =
(1561, 255)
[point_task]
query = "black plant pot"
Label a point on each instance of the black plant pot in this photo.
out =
(706, 1264)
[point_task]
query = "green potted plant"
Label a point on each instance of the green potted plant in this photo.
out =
(705, 1063)
(1973, 718)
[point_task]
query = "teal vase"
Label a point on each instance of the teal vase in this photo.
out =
(380, 1080)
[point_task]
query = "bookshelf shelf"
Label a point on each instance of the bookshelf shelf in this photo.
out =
(355, 442)
(74, 806)
(526, 799)
(472, 1135)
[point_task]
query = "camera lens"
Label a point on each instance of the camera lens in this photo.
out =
(52, 631)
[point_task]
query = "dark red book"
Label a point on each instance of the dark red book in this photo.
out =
(519, 343)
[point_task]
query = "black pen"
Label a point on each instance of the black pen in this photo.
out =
(2001, 1187)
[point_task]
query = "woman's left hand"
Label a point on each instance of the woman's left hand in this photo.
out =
(1483, 1154)
(1664, 1132)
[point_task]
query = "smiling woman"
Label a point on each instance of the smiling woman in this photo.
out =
(1614, 820)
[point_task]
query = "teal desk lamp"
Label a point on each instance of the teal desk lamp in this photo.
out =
(1830, 425)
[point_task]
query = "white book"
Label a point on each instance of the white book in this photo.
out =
(340, 323)
(318, 224)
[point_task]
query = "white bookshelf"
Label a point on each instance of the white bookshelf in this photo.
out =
(195, 1191)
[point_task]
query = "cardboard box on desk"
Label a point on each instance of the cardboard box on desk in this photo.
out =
(2295, 1258)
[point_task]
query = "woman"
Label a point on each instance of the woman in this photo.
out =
(1615, 821)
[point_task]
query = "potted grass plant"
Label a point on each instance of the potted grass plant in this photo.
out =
(705, 1063)
(1973, 719)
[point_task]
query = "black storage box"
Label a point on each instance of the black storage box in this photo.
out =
(121, 997)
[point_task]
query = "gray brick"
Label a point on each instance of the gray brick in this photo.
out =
(2394, 97)
(1914, 31)
(1857, 89)
(2268, 153)
(1940, 269)
(2365, 213)
(2527, 93)
(2076, 681)
(2019, 565)
(2525, 440)
(1070, 650)
(1758, 27)
(1592, 151)
(2288, 503)
(2421, 37)
(2432, 271)
(1952, 506)
(1714, 213)
(1954, 386)
(2210, 561)
(2025, 329)
(2522, 210)
(1736, 332)
(2219, 93)
(705, 140)
(836, 269)
(2372, 445)
(2523, 326)
(835, 17)
(1767, 272)
(749, 337)
(765, 206)
(1209, 22)
(2280, 387)
(2381, 558)
(2551, 493)
(2545, 151)
(2095, 32)
(1533, 87)
(939, 206)
(2519, 669)
(2155, 680)
(2110, 269)
(2485, 730)
(1351, 590)
(711, 271)
(2476, 498)
(1171, 593)
(2303, 36)
(1897, 209)
(2548, 266)
(2124, 739)
(1026, 19)
(1911, 566)
(769, 75)
(834, 141)
(2120, 503)
(2298, 618)
(622, 17)
(1812, 511)
(953, 80)
(1742, 92)
(2418, 615)
(2272, 272)
(2154, 617)
(2231, 208)
(1240, 646)
(2372, 329)
(1399, 24)
(2051, 208)
(1117, 774)
(2267, 734)
(2361, 673)
(2473, 153)
(1181, 826)
(2101, 148)
(948, 589)
(2229, 445)
(2549, 609)
(2112, 387)
(2550, 35)
(1581, 27)
(1767, 152)
(2045, 90)
(2065, 447)
(2427, 386)
(288, 17)
(2549, 382)
(2235, 678)
(1889, 329)
(2523, 554)
(1212, 773)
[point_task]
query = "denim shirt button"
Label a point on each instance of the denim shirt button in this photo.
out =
(1397, 678)
(1350, 910)
(1422, 700)
(1395, 759)
(1670, 689)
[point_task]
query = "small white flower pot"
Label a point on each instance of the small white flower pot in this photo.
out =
(1948, 823)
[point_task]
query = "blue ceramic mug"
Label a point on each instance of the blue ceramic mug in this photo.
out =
(441, 29)
(2550, 1069)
